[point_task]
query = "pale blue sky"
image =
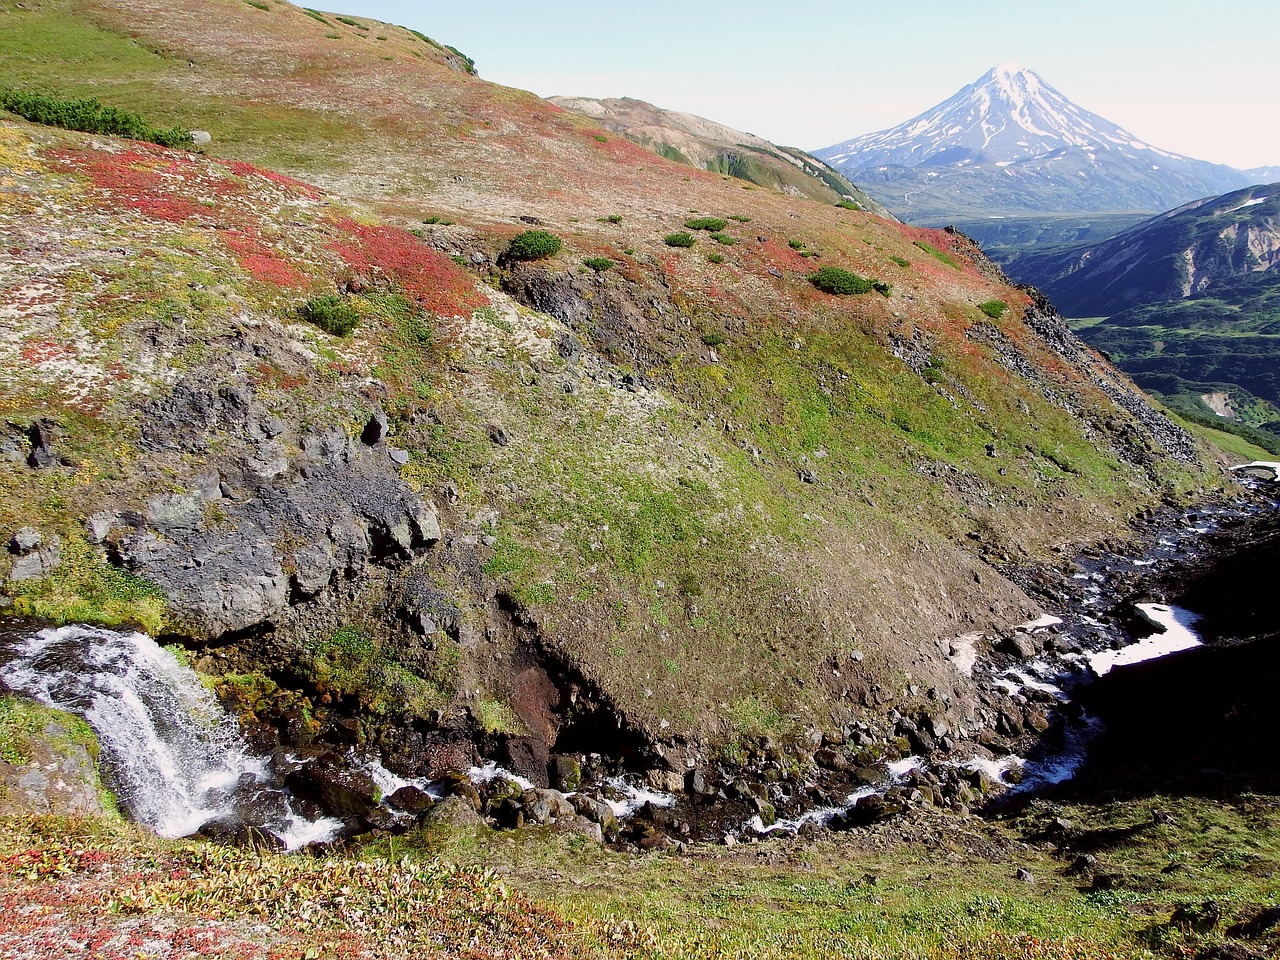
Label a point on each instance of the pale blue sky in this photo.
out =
(1198, 77)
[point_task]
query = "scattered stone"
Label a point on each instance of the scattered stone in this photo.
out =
(453, 811)
(99, 526)
(807, 476)
(398, 457)
(498, 435)
(1025, 875)
(25, 540)
(201, 137)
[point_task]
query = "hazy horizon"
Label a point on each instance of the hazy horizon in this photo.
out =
(1189, 82)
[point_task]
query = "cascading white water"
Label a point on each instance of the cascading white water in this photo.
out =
(174, 757)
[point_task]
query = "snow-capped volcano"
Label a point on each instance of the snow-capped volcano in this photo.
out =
(995, 143)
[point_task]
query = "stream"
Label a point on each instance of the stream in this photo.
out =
(179, 763)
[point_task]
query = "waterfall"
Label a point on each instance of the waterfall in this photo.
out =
(174, 757)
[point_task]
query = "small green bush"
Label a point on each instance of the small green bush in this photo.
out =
(901, 261)
(598, 264)
(258, 4)
(740, 218)
(601, 138)
(994, 308)
(712, 339)
(439, 220)
(848, 205)
(351, 23)
(316, 15)
(710, 224)
(882, 288)
(679, 240)
(715, 258)
(840, 282)
(724, 238)
(611, 218)
(88, 116)
(331, 313)
(795, 244)
(533, 245)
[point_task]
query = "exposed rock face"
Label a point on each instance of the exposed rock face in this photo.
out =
(220, 551)
(59, 776)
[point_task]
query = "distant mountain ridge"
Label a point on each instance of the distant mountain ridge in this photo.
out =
(1171, 256)
(1191, 301)
(1009, 143)
(688, 138)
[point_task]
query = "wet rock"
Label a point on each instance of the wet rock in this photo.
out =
(566, 773)
(339, 792)
(411, 799)
(697, 783)
(598, 812)
(453, 811)
(668, 781)
(234, 833)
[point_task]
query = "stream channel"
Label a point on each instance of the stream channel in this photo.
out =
(179, 763)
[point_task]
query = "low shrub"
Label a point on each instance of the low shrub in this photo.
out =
(882, 288)
(710, 224)
(533, 245)
(901, 261)
(330, 313)
(715, 258)
(600, 138)
(679, 240)
(848, 205)
(740, 218)
(88, 116)
(840, 282)
(611, 218)
(723, 238)
(712, 339)
(598, 264)
(993, 308)
(795, 244)
(316, 15)
(441, 221)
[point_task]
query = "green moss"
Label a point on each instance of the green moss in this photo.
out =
(85, 588)
(495, 717)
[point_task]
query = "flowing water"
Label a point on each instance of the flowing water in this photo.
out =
(175, 759)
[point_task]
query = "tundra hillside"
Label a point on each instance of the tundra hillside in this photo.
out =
(297, 402)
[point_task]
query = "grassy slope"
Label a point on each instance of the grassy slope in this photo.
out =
(935, 889)
(680, 532)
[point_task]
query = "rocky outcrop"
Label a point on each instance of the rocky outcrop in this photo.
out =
(277, 519)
